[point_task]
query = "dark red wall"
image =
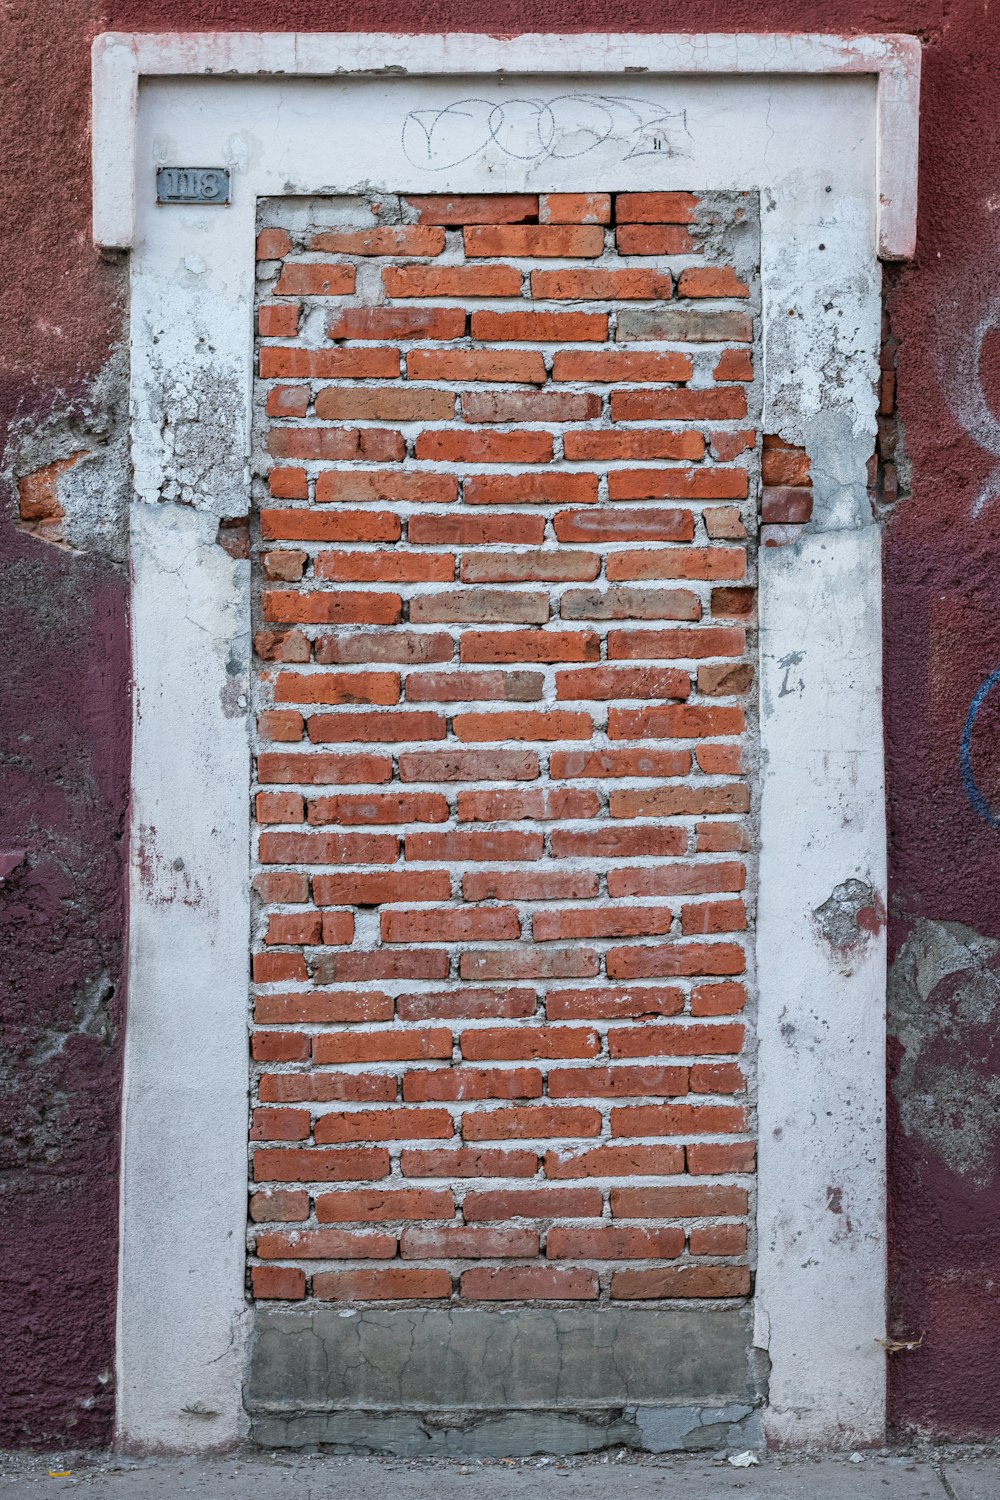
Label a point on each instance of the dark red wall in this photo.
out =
(64, 725)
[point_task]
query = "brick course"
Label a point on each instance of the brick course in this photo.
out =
(504, 608)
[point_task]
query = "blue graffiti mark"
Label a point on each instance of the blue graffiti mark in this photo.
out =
(978, 802)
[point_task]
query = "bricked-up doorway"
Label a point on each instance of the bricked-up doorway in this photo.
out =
(504, 631)
(381, 1304)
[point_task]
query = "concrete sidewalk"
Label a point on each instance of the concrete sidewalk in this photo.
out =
(945, 1475)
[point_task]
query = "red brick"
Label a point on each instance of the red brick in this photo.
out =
(276, 320)
(527, 963)
(614, 1242)
(328, 364)
(280, 1125)
(718, 999)
(630, 604)
(286, 1283)
(654, 1040)
(467, 1162)
(629, 645)
(381, 1285)
(364, 486)
(657, 239)
(655, 208)
(720, 838)
(601, 446)
(450, 925)
(617, 843)
(470, 687)
(718, 1239)
(382, 1046)
(574, 208)
(384, 1205)
(389, 240)
(396, 807)
(288, 484)
(313, 279)
(279, 807)
(471, 531)
(547, 566)
(380, 728)
(396, 323)
(691, 562)
(289, 606)
(328, 848)
(678, 1119)
(452, 281)
(613, 366)
(713, 916)
(338, 526)
(724, 523)
(399, 645)
(285, 566)
(337, 403)
(294, 927)
(497, 1204)
(447, 445)
(728, 404)
(613, 1005)
(279, 1205)
(709, 1159)
(548, 488)
(682, 721)
(526, 1283)
(281, 885)
(505, 1044)
(448, 1084)
(781, 464)
(711, 281)
(466, 1004)
(457, 1242)
(786, 505)
(540, 327)
(530, 406)
(374, 444)
(681, 1281)
(528, 240)
(602, 286)
(464, 844)
(273, 244)
(323, 1088)
(279, 1046)
(337, 687)
(326, 1244)
(601, 683)
(608, 524)
(536, 802)
(717, 1078)
(319, 1007)
(680, 484)
(485, 208)
(364, 889)
(605, 763)
(617, 1083)
(601, 922)
(677, 880)
(469, 765)
(528, 885)
(475, 364)
(734, 364)
(302, 1164)
(385, 964)
(671, 962)
(677, 1202)
(384, 1125)
(529, 1122)
(274, 968)
(318, 769)
(529, 646)
(615, 1162)
(555, 725)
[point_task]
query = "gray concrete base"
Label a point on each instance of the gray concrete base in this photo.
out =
(492, 1382)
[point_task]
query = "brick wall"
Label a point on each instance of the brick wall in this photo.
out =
(504, 612)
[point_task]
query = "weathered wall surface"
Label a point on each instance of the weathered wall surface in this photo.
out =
(65, 728)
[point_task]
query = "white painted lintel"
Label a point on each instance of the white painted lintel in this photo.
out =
(121, 59)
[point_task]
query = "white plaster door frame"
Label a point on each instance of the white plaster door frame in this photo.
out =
(826, 129)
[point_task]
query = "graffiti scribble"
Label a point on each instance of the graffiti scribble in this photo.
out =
(558, 129)
(970, 403)
(978, 802)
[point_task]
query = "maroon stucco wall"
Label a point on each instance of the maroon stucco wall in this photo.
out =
(64, 725)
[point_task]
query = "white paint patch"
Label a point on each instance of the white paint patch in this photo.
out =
(821, 152)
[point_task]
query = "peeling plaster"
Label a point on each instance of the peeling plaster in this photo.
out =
(944, 1006)
(71, 470)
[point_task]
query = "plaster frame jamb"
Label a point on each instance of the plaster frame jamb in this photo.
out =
(827, 1374)
(120, 59)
